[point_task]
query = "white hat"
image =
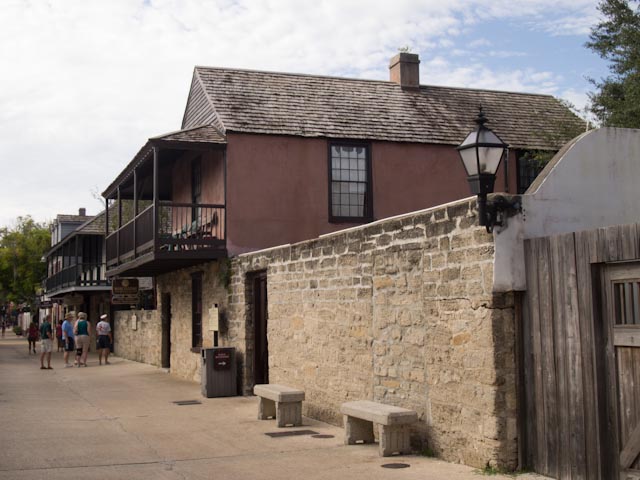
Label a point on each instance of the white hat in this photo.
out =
(103, 316)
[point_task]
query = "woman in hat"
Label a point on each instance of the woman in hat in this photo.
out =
(82, 331)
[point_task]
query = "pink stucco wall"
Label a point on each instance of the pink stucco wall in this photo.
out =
(278, 186)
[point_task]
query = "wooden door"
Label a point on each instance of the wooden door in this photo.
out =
(166, 330)
(261, 351)
(623, 353)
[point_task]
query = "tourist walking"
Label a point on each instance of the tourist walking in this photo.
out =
(103, 330)
(59, 336)
(68, 337)
(82, 332)
(32, 337)
(46, 343)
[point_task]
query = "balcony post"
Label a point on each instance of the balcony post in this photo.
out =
(76, 240)
(135, 212)
(224, 174)
(106, 217)
(156, 196)
(119, 224)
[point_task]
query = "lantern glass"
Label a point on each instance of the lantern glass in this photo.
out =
(481, 152)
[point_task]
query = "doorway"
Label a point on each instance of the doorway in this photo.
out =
(622, 330)
(260, 317)
(166, 330)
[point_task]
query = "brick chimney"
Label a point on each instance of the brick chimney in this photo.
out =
(82, 212)
(404, 70)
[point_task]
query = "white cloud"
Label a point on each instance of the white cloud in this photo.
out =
(85, 82)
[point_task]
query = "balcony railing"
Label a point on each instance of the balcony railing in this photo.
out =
(80, 275)
(182, 230)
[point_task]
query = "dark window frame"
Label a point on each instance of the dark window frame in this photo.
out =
(196, 311)
(368, 199)
(524, 161)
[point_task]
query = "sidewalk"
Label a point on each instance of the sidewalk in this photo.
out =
(119, 421)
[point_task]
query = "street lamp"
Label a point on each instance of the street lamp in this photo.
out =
(481, 153)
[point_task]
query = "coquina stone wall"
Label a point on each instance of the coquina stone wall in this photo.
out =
(141, 344)
(145, 343)
(400, 311)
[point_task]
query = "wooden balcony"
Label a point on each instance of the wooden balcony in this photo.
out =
(167, 236)
(79, 277)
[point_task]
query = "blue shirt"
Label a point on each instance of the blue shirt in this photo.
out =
(67, 329)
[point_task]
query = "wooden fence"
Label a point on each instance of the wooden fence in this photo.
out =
(567, 423)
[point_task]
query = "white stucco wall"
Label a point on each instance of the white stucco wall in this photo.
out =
(592, 183)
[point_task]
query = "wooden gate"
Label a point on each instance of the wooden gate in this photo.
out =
(622, 309)
(579, 355)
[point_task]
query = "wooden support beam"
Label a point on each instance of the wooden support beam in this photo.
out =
(156, 196)
(631, 449)
(135, 212)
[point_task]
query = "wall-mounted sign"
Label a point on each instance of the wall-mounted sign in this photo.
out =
(124, 286)
(73, 299)
(124, 299)
(213, 319)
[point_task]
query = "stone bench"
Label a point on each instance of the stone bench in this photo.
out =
(279, 401)
(393, 423)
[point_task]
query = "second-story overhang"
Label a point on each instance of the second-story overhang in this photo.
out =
(201, 138)
(151, 233)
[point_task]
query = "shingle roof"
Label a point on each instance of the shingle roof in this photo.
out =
(319, 106)
(205, 133)
(93, 226)
(61, 217)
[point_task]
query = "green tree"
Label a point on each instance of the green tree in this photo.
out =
(21, 250)
(616, 103)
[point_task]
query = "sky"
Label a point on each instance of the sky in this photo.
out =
(84, 83)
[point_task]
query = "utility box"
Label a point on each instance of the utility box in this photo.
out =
(218, 372)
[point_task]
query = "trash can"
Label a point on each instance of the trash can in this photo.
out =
(218, 372)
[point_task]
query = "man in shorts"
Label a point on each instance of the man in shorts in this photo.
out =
(46, 343)
(67, 336)
(103, 330)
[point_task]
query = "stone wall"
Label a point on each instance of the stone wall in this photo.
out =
(145, 343)
(142, 344)
(401, 312)
(185, 361)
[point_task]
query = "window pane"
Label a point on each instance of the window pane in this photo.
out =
(349, 180)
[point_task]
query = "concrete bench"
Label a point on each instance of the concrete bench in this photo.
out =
(279, 401)
(393, 423)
